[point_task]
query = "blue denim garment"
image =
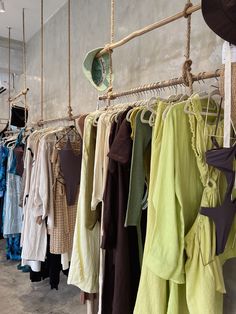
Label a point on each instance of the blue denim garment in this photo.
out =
(3, 167)
(13, 249)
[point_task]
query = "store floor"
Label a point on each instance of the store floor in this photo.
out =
(18, 295)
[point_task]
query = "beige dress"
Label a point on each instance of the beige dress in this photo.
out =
(61, 235)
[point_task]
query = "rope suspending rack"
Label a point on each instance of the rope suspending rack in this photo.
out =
(22, 93)
(183, 80)
(70, 116)
(159, 85)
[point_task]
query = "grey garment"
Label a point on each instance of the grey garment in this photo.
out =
(139, 178)
(140, 170)
(21, 199)
(12, 213)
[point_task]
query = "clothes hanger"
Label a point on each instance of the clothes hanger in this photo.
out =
(178, 99)
(97, 115)
(138, 103)
(117, 110)
(71, 129)
(209, 112)
(149, 107)
(142, 115)
(152, 102)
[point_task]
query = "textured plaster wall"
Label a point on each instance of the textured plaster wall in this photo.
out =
(16, 69)
(152, 57)
(155, 56)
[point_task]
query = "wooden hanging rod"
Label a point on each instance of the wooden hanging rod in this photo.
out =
(162, 84)
(149, 28)
(22, 93)
(42, 122)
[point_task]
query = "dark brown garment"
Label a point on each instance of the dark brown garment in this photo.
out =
(19, 154)
(70, 164)
(80, 124)
(220, 16)
(222, 158)
(84, 296)
(122, 269)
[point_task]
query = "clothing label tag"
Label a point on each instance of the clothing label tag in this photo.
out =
(227, 103)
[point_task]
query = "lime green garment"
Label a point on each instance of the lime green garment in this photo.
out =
(133, 120)
(156, 295)
(84, 267)
(176, 197)
(91, 216)
(153, 291)
(204, 276)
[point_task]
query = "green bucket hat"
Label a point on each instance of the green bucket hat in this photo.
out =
(96, 70)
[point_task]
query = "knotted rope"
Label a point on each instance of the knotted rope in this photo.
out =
(186, 69)
(70, 113)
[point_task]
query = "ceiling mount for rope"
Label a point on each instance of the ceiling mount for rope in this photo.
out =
(42, 65)
(24, 92)
(9, 74)
(70, 113)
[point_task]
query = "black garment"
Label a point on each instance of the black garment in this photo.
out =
(18, 116)
(50, 268)
(122, 268)
(223, 215)
(70, 165)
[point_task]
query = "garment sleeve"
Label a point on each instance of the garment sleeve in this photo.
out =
(37, 201)
(165, 257)
(45, 188)
(109, 222)
(98, 167)
(41, 183)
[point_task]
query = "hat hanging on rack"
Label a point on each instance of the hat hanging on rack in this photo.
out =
(220, 16)
(96, 70)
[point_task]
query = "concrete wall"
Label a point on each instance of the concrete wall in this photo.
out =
(150, 58)
(155, 56)
(16, 71)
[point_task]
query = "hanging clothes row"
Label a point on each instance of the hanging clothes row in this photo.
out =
(51, 186)
(135, 207)
(154, 160)
(11, 151)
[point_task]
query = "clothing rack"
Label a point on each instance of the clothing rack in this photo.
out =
(22, 93)
(70, 116)
(187, 77)
(41, 123)
(187, 11)
(159, 85)
(12, 132)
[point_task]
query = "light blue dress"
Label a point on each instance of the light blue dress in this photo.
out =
(12, 212)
